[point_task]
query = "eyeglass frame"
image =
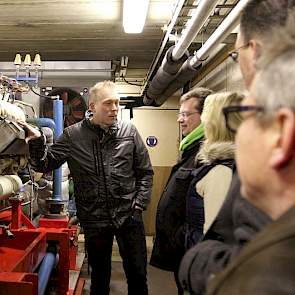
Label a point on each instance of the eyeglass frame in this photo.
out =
(234, 54)
(238, 109)
(185, 115)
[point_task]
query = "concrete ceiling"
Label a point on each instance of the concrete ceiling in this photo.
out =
(76, 30)
(91, 30)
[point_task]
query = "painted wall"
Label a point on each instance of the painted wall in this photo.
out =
(225, 77)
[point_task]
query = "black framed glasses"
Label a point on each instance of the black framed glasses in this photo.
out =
(185, 115)
(230, 114)
(234, 54)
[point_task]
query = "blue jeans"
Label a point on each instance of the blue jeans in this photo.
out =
(132, 247)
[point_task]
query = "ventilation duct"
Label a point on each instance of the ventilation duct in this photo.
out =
(190, 67)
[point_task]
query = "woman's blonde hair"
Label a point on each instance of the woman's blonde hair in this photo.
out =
(213, 118)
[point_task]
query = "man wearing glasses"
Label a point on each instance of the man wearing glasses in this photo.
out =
(169, 242)
(238, 220)
(266, 164)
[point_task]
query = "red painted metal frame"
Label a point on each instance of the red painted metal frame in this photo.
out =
(29, 256)
(20, 256)
(16, 216)
(14, 283)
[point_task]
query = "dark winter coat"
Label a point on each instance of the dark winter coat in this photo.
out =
(169, 242)
(208, 188)
(237, 222)
(111, 170)
(266, 266)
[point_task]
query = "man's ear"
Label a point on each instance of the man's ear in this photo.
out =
(91, 106)
(284, 148)
(256, 48)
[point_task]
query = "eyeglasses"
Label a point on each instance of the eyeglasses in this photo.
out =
(185, 115)
(234, 54)
(230, 111)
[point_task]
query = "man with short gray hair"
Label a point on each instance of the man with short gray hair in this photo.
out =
(266, 164)
(238, 221)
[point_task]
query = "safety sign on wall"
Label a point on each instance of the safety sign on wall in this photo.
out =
(151, 141)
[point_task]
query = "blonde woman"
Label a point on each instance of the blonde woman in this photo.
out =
(215, 160)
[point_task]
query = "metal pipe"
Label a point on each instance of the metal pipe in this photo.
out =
(190, 67)
(164, 42)
(176, 55)
(44, 122)
(46, 267)
(194, 25)
(57, 173)
(224, 29)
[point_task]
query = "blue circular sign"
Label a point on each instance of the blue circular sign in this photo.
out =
(151, 141)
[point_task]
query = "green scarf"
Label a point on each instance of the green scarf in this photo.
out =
(196, 134)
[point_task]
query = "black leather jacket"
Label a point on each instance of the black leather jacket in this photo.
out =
(111, 170)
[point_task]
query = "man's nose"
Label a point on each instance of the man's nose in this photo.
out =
(180, 119)
(115, 107)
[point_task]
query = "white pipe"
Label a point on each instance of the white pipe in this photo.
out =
(165, 40)
(193, 27)
(224, 29)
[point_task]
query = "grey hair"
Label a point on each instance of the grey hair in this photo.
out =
(199, 94)
(95, 92)
(260, 17)
(274, 84)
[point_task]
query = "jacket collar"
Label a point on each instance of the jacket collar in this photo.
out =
(209, 153)
(111, 131)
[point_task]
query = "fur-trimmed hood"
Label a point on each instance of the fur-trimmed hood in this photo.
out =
(208, 153)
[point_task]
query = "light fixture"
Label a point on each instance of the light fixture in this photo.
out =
(134, 15)
(29, 67)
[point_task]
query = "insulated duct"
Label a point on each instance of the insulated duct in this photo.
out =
(165, 74)
(225, 28)
(176, 55)
(191, 66)
(185, 74)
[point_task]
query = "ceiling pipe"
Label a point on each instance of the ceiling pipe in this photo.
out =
(224, 29)
(187, 72)
(165, 74)
(165, 40)
(176, 56)
(193, 27)
(190, 68)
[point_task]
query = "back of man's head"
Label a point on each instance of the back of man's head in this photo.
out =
(260, 17)
(258, 20)
(275, 83)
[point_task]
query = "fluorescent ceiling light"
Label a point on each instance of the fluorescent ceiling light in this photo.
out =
(134, 15)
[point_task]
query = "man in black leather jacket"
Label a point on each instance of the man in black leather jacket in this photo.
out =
(112, 177)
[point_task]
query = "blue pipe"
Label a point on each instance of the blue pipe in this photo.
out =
(46, 267)
(44, 122)
(57, 174)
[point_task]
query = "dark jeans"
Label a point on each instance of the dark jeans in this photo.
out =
(132, 247)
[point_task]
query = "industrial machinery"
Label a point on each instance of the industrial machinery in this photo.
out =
(34, 256)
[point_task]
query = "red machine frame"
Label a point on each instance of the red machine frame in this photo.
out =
(22, 254)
